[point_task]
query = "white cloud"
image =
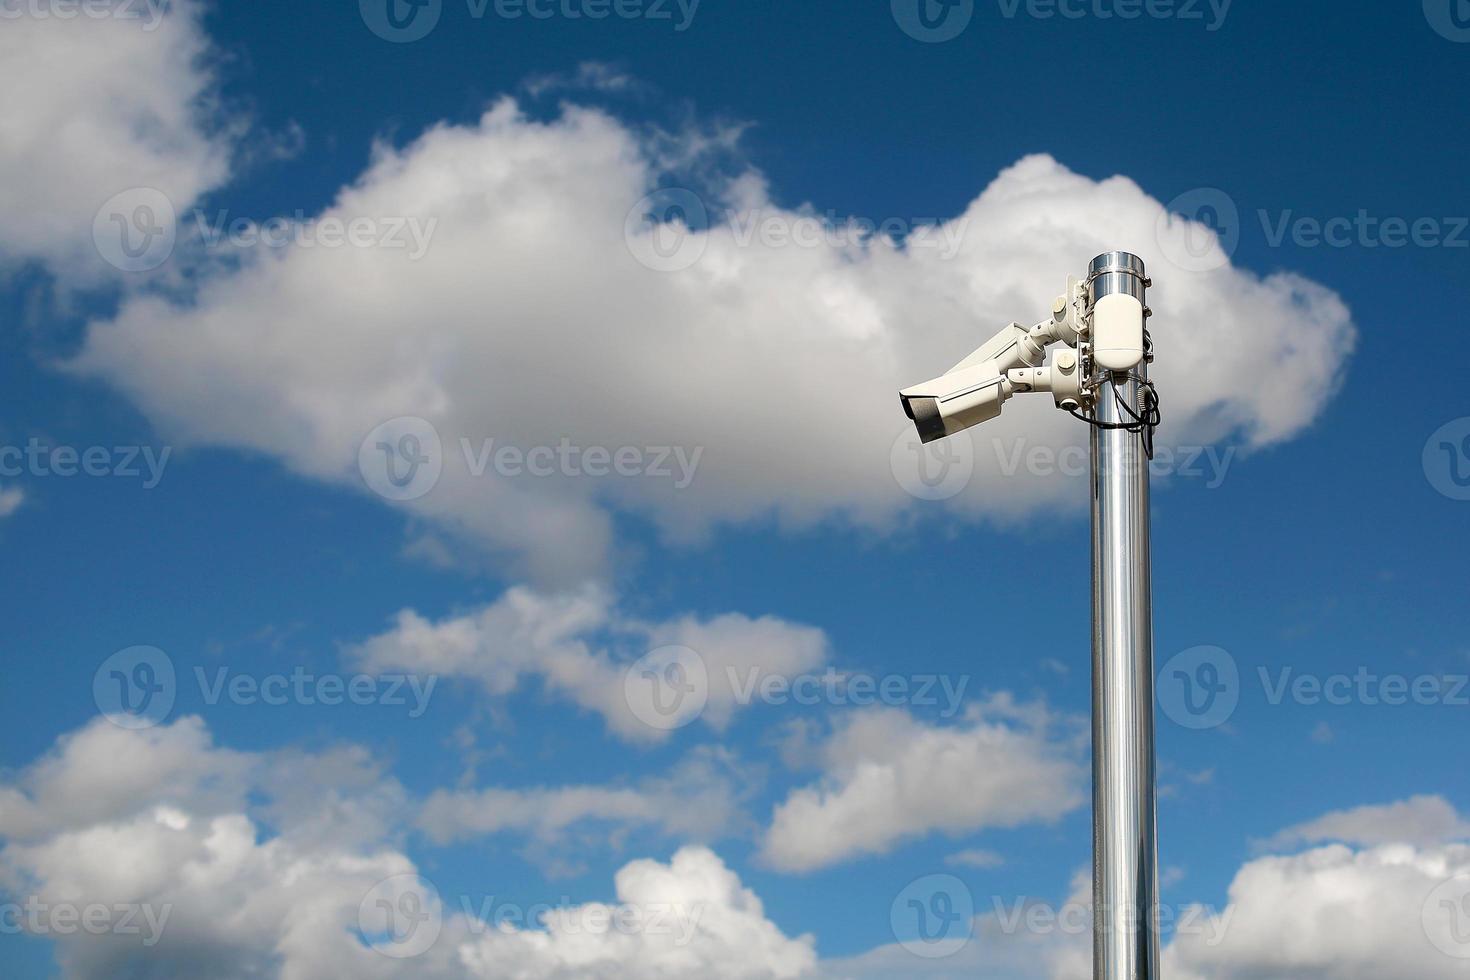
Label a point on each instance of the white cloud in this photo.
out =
(103, 773)
(699, 799)
(158, 821)
(1331, 913)
(529, 321)
(235, 865)
(976, 858)
(95, 106)
(1336, 914)
(10, 500)
(1420, 820)
(581, 647)
(732, 939)
(888, 777)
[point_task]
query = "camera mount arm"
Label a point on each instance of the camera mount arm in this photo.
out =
(976, 389)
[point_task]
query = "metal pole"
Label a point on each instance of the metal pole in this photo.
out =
(1125, 846)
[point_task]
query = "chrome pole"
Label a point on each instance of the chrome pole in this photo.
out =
(1125, 846)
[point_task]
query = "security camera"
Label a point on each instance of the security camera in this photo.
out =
(951, 403)
(1100, 325)
(976, 389)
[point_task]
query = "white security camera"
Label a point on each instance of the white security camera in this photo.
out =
(1099, 322)
(976, 389)
(957, 400)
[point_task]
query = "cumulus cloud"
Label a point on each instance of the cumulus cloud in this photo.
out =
(731, 938)
(888, 777)
(581, 647)
(1331, 913)
(1337, 913)
(114, 97)
(530, 321)
(158, 822)
(1419, 820)
(699, 799)
(239, 865)
(103, 772)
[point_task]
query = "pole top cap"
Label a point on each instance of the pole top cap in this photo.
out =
(1124, 262)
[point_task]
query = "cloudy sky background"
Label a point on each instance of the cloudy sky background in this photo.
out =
(500, 282)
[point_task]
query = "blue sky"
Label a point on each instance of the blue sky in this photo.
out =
(1309, 520)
